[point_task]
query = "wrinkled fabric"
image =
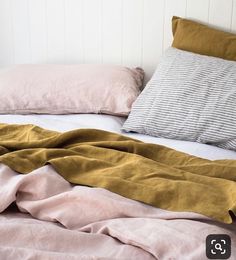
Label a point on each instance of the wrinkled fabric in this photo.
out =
(77, 222)
(153, 174)
(69, 89)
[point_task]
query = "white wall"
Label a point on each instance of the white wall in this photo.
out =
(129, 32)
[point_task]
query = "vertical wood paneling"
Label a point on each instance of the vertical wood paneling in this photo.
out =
(233, 22)
(132, 32)
(38, 34)
(220, 13)
(74, 31)
(129, 32)
(153, 25)
(21, 32)
(172, 7)
(198, 10)
(55, 30)
(6, 36)
(92, 30)
(112, 31)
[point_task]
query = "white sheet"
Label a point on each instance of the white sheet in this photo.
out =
(111, 123)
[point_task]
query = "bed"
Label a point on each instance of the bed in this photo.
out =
(56, 220)
(103, 169)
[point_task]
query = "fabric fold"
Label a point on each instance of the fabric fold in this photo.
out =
(153, 174)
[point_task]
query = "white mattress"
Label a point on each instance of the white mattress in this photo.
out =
(111, 123)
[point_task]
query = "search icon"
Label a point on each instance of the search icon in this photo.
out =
(218, 246)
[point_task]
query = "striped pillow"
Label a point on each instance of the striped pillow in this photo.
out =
(190, 97)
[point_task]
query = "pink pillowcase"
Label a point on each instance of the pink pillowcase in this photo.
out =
(64, 89)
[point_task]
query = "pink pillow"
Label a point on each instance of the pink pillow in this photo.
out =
(64, 89)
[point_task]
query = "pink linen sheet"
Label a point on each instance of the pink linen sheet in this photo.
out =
(62, 221)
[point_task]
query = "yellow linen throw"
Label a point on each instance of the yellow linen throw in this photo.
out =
(153, 174)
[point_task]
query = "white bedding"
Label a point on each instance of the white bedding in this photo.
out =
(113, 124)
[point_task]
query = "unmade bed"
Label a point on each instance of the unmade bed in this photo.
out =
(44, 216)
(96, 165)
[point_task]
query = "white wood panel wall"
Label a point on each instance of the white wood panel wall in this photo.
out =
(128, 32)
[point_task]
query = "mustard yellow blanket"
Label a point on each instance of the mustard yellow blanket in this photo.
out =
(153, 174)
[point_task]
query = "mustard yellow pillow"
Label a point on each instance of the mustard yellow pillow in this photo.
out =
(195, 37)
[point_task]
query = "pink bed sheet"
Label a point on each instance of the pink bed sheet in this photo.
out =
(62, 221)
